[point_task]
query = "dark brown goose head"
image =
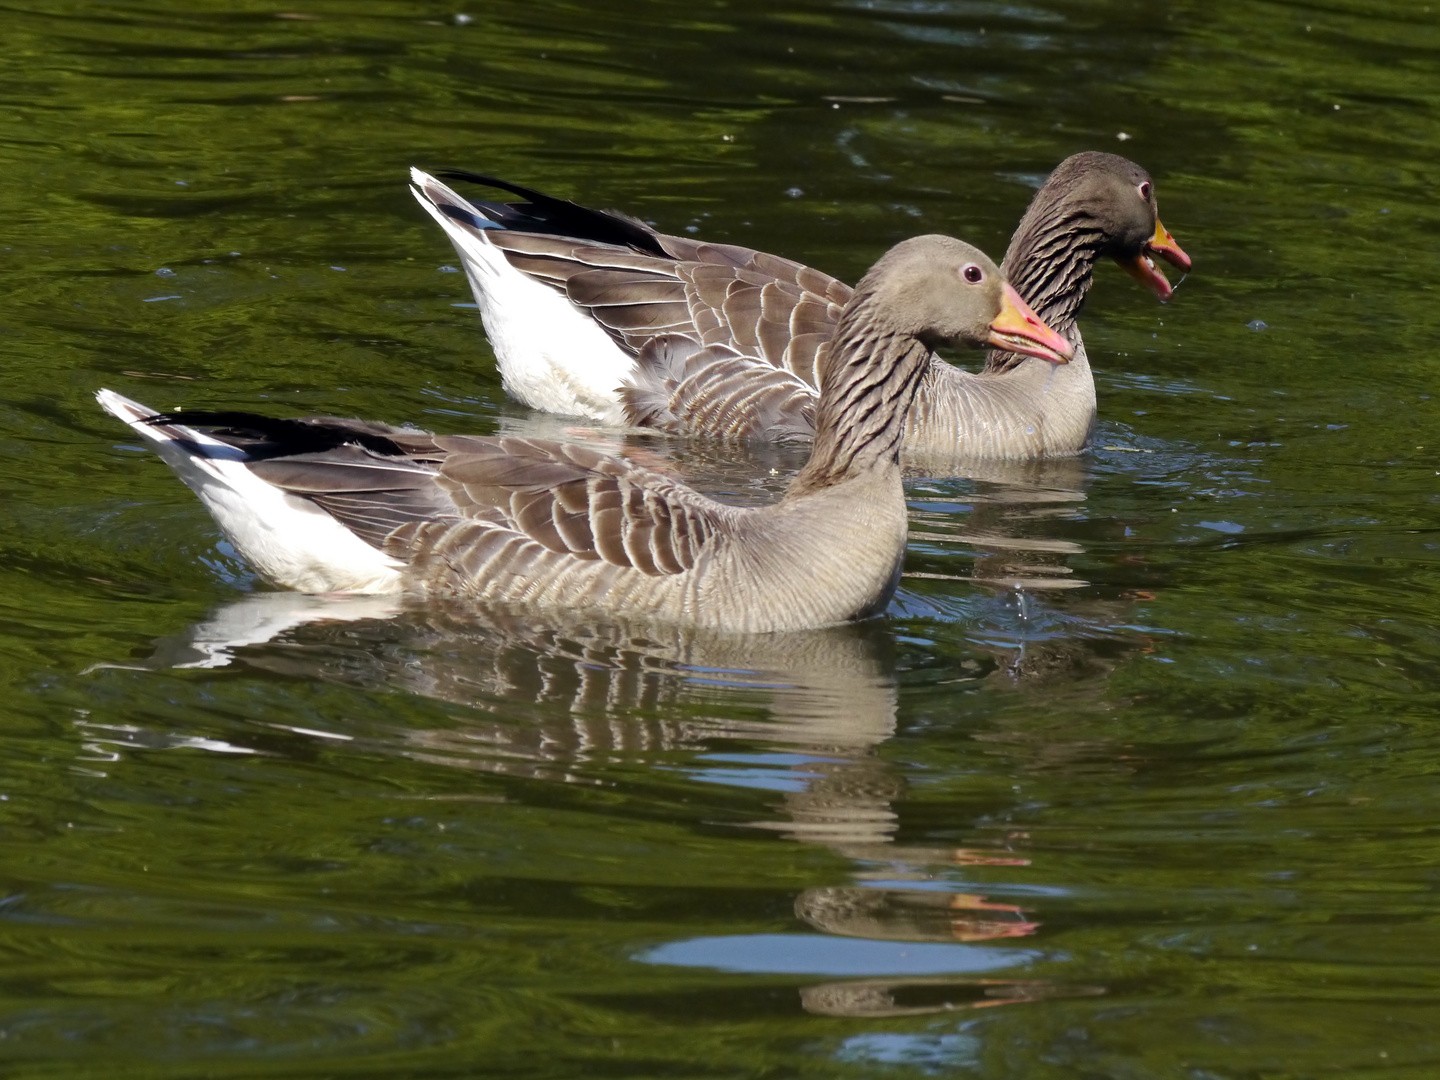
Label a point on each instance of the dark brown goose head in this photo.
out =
(1093, 205)
(1121, 197)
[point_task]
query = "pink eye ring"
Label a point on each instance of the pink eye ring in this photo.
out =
(973, 274)
(1144, 190)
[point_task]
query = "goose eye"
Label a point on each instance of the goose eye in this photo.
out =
(1144, 190)
(973, 274)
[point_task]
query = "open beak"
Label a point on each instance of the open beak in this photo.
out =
(1018, 329)
(1164, 245)
(1143, 269)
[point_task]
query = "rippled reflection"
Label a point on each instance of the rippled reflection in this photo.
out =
(1009, 520)
(916, 997)
(1025, 528)
(618, 688)
(603, 691)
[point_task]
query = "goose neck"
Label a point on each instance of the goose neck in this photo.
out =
(1051, 262)
(866, 390)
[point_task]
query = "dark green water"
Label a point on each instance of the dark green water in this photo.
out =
(1177, 821)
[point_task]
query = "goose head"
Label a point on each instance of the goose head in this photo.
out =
(1116, 198)
(942, 291)
(924, 293)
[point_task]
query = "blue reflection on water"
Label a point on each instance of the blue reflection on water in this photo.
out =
(813, 954)
(931, 1053)
(768, 772)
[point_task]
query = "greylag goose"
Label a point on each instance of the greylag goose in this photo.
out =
(595, 314)
(325, 505)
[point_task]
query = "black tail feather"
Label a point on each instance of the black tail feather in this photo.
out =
(560, 217)
(539, 198)
(268, 436)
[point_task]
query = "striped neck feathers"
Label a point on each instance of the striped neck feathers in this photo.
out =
(1051, 263)
(870, 379)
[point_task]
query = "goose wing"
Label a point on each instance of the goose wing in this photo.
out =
(777, 311)
(679, 386)
(637, 283)
(578, 503)
(405, 491)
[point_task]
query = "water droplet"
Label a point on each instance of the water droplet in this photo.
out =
(1257, 325)
(794, 192)
(164, 271)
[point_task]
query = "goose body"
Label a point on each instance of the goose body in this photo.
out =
(687, 336)
(329, 505)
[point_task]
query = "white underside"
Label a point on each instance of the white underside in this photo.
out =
(552, 355)
(284, 538)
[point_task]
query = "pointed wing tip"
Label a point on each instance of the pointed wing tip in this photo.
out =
(121, 407)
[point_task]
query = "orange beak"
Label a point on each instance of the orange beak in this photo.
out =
(1164, 245)
(1143, 269)
(1018, 329)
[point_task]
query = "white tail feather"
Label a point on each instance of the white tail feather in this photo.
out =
(552, 355)
(285, 538)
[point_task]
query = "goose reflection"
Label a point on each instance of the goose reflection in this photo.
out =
(876, 998)
(590, 691)
(584, 690)
(896, 914)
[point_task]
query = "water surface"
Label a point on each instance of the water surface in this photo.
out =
(1136, 779)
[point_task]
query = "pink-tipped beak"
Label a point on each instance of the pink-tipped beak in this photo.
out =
(1018, 329)
(1143, 269)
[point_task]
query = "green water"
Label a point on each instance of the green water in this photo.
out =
(1140, 776)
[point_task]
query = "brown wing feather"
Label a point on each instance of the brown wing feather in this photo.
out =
(573, 500)
(722, 294)
(557, 498)
(741, 312)
(679, 386)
